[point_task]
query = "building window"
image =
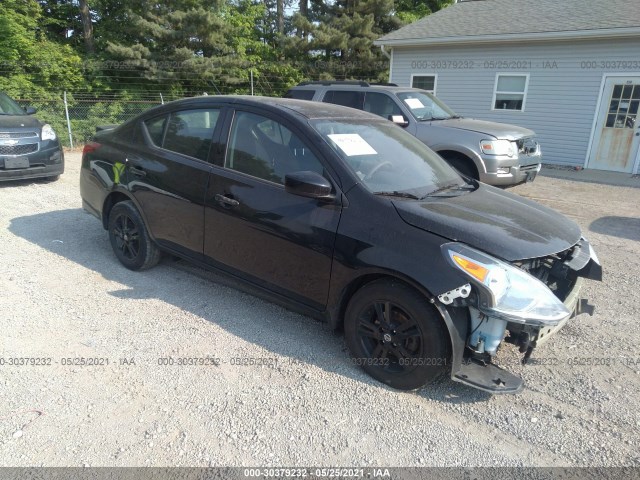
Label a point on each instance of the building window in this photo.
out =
(624, 106)
(510, 91)
(424, 82)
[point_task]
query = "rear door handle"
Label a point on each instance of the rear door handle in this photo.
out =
(226, 200)
(138, 172)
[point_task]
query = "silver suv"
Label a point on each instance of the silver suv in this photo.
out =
(494, 153)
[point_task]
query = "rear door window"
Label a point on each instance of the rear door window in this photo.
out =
(345, 98)
(188, 132)
(300, 94)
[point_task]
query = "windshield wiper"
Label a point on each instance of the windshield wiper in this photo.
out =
(434, 118)
(397, 194)
(453, 186)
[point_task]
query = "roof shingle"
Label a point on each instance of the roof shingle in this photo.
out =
(477, 18)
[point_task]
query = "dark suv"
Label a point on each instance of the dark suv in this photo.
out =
(494, 153)
(29, 148)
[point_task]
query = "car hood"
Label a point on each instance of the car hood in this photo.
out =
(495, 129)
(19, 121)
(500, 223)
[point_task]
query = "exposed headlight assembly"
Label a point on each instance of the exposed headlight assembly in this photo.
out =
(505, 291)
(47, 132)
(498, 147)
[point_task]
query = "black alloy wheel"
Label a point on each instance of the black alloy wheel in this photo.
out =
(396, 336)
(129, 238)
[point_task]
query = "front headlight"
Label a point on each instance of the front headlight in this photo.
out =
(48, 133)
(498, 147)
(506, 292)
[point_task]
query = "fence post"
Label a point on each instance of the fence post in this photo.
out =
(251, 72)
(66, 111)
(161, 99)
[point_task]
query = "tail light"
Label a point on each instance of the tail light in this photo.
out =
(90, 148)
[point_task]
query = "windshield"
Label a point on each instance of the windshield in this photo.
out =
(9, 107)
(386, 158)
(425, 106)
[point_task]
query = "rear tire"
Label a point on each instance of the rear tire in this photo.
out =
(396, 335)
(129, 238)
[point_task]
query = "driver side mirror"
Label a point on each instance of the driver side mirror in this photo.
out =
(308, 184)
(399, 120)
(30, 110)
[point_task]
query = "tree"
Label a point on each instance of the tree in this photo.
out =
(411, 10)
(303, 8)
(32, 65)
(191, 46)
(87, 26)
(280, 15)
(338, 38)
(195, 46)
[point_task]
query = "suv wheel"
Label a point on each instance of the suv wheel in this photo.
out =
(396, 336)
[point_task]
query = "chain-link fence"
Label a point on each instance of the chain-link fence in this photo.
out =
(75, 115)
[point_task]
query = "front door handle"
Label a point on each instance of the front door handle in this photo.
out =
(138, 172)
(221, 199)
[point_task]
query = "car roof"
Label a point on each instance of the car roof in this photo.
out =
(305, 108)
(338, 86)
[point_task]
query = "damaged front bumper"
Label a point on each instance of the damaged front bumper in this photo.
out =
(485, 333)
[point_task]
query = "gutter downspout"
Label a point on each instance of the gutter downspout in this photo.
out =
(390, 57)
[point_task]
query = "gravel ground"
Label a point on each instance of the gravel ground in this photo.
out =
(64, 295)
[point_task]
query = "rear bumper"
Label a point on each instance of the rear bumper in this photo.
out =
(44, 163)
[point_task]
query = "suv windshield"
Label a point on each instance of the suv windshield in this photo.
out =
(387, 159)
(9, 107)
(425, 106)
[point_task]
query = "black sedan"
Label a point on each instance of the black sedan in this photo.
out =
(344, 216)
(29, 148)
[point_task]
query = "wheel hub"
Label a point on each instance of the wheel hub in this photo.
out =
(387, 337)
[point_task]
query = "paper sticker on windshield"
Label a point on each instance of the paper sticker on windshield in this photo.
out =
(413, 103)
(352, 144)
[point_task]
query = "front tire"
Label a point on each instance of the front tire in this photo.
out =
(129, 238)
(396, 336)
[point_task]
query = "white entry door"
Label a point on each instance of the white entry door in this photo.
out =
(617, 133)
